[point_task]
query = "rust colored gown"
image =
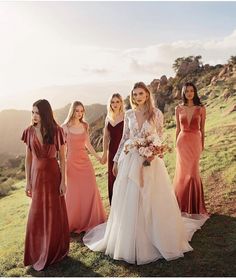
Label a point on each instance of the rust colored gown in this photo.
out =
(115, 137)
(47, 233)
(187, 180)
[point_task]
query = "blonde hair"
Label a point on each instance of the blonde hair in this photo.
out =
(71, 115)
(110, 112)
(149, 104)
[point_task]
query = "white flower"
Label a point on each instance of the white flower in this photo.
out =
(157, 141)
(147, 152)
(142, 151)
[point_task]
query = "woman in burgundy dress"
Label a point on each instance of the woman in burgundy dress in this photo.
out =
(47, 233)
(112, 135)
(190, 123)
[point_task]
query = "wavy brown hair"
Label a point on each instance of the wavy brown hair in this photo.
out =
(71, 115)
(149, 104)
(48, 123)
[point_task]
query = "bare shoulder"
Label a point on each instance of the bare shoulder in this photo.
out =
(179, 107)
(64, 127)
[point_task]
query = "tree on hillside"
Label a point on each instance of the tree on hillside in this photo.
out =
(232, 60)
(179, 61)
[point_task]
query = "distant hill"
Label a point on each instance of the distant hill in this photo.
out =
(13, 122)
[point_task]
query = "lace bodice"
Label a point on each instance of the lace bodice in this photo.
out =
(131, 129)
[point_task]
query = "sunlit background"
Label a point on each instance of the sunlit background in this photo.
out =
(64, 51)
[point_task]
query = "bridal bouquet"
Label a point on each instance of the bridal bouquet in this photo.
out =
(148, 146)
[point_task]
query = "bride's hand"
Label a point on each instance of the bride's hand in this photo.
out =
(115, 169)
(149, 159)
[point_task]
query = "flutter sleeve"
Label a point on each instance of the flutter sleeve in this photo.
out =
(60, 138)
(159, 123)
(26, 137)
(125, 137)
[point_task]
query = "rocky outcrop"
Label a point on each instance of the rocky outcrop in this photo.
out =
(188, 67)
(162, 92)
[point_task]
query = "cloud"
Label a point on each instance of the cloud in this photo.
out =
(28, 63)
(158, 59)
(99, 71)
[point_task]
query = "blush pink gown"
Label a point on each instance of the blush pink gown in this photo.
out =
(187, 180)
(84, 205)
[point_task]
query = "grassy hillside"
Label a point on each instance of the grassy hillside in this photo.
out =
(214, 246)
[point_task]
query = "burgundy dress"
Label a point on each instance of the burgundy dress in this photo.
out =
(115, 137)
(187, 180)
(47, 233)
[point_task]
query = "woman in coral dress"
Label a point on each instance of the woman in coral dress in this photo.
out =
(190, 120)
(145, 223)
(113, 130)
(47, 233)
(84, 205)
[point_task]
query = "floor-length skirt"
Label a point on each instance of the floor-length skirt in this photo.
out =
(145, 223)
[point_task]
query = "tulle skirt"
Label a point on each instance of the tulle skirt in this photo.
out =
(145, 223)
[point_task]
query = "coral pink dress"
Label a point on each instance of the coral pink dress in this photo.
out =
(187, 180)
(84, 205)
(47, 233)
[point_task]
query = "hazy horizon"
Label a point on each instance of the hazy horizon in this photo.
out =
(51, 49)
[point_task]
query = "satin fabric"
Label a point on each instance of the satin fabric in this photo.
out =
(187, 181)
(115, 137)
(84, 205)
(47, 232)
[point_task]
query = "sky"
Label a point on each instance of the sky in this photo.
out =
(98, 48)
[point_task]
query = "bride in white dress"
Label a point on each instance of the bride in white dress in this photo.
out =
(145, 222)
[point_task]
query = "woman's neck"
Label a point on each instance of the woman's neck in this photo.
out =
(38, 126)
(140, 108)
(76, 122)
(190, 103)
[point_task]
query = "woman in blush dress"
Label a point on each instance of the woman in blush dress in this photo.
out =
(145, 222)
(112, 134)
(190, 123)
(84, 205)
(47, 233)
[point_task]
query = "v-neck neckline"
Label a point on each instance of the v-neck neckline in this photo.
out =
(136, 119)
(41, 145)
(116, 123)
(189, 122)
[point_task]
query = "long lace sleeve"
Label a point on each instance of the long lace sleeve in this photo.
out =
(159, 123)
(125, 137)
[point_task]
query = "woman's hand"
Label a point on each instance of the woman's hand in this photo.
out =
(99, 159)
(103, 159)
(149, 159)
(28, 190)
(62, 189)
(115, 169)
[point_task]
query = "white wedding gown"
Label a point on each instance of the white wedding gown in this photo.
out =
(145, 223)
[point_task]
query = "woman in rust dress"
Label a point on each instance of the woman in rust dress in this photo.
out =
(190, 123)
(112, 135)
(47, 233)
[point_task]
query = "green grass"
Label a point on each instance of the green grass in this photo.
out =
(214, 246)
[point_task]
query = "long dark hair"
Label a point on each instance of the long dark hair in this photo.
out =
(48, 123)
(196, 99)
